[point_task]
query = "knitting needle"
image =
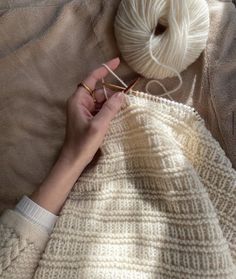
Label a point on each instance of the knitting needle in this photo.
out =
(113, 86)
(131, 85)
(124, 89)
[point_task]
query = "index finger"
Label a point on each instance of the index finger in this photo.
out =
(101, 72)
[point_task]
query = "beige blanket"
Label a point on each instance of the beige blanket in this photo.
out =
(48, 46)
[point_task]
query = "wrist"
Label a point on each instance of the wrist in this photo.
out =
(52, 193)
(72, 158)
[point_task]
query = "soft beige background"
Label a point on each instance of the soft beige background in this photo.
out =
(47, 47)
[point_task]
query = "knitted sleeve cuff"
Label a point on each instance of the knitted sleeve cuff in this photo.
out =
(36, 214)
(24, 228)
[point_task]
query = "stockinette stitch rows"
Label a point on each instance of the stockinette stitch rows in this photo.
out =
(159, 202)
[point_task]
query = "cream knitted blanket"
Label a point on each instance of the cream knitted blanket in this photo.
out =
(159, 203)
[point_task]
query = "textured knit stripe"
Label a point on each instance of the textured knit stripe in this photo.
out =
(159, 202)
(35, 213)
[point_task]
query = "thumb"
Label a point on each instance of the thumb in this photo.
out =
(109, 109)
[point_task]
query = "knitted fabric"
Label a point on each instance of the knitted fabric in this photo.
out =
(158, 203)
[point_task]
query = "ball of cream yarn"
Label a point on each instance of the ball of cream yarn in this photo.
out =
(186, 25)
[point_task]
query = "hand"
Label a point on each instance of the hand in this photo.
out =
(84, 134)
(85, 129)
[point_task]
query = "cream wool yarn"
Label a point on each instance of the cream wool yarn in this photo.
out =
(158, 204)
(187, 26)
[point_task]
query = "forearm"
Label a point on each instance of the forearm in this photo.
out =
(52, 193)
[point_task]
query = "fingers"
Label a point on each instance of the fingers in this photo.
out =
(101, 72)
(100, 95)
(83, 97)
(108, 110)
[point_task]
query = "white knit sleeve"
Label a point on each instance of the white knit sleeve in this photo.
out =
(22, 243)
(24, 233)
(36, 214)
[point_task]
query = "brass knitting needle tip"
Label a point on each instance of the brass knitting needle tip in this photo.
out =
(112, 86)
(117, 87)
(131, 85)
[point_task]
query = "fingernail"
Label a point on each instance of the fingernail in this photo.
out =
(120, 96)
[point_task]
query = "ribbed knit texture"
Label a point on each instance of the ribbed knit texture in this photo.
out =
(159, 203)
(36, 213)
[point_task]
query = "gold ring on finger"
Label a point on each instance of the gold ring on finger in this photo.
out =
(85, 86)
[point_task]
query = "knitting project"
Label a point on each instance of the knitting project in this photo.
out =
(160, 202)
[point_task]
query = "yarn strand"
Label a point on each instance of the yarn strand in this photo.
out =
(165, 66)
(115, 75)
